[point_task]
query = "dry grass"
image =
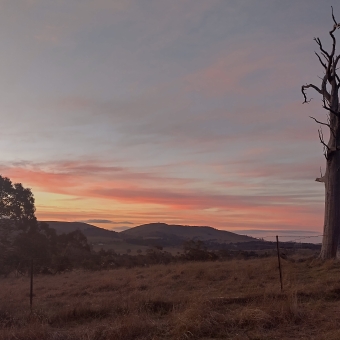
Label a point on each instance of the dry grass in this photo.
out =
(227, 300)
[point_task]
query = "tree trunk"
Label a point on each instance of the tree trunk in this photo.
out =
(330, 97)
(331, 234)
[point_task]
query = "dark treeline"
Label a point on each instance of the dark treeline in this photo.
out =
(260, 245)
(52, 253)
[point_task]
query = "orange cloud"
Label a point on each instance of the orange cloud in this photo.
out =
(96, 191)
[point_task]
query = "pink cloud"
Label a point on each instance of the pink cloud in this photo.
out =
(231, 72)
(167, 199)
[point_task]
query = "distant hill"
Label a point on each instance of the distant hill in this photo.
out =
(148, 235)
(67, 227)
(88, 230)
(170, 237)
(166, 231)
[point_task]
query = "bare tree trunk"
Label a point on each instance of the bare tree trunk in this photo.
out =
(331, 231)
(329, 90)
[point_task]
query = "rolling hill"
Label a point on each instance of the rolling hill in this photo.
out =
(152, 231)
(144, 236)
(166, 231)
(67, 227)
(88, 230)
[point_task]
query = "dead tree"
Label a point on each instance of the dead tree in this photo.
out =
(329, 91)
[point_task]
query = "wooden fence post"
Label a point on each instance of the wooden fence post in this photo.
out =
(279, 259)
(31, 286)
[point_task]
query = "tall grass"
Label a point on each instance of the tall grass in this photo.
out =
(235, 299)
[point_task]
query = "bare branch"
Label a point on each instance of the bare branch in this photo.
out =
(319, 121)
(335, 22)
(313, 87)
(304, 87)
(328, 152)
(318, 41)
(322, 140)
(322, 63)
(326, 124)
(331, 56)
(325, 93)
(329, 109)
(334, 42)
(336, 62)
(324, 55)
(338, 79)
(304, 95)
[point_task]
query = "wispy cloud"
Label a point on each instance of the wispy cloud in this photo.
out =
(249, 68)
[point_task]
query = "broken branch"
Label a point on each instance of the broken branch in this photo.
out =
(320, 179)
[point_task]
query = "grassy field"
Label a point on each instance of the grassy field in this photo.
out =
(235, 299)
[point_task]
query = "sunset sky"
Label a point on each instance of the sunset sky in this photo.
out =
(123, 112)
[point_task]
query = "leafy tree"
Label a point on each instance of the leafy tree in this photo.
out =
(17, 205)
(17, 215)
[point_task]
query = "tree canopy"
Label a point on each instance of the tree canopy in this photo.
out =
(17, 204)
(23, 238)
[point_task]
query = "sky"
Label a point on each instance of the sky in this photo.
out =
(124, 112)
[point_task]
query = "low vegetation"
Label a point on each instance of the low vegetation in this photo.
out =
(236, 299)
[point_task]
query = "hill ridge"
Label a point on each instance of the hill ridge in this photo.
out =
(205, 233)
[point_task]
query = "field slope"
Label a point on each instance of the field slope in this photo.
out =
(221, 300)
